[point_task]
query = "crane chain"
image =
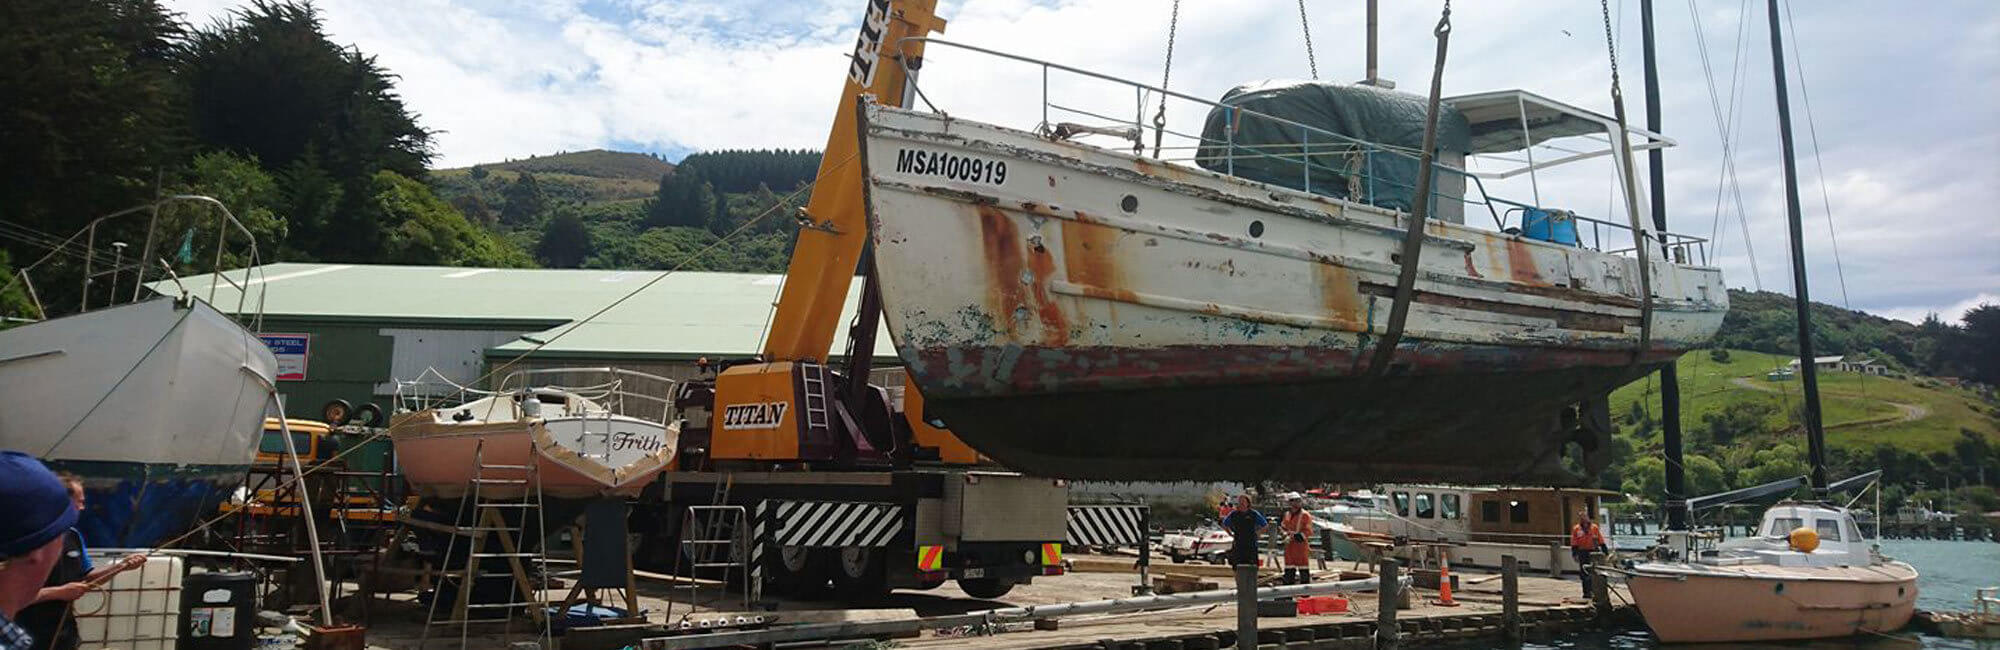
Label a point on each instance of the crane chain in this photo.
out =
(1610, 43)
(1160, 118)
(1312, 61)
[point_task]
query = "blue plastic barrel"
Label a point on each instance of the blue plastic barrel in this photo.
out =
(1549, 225)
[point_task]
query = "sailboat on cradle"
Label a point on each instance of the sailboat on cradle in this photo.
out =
(1808, 573)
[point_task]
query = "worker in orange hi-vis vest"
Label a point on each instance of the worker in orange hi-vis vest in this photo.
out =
(1297, 527)
(1585, 538)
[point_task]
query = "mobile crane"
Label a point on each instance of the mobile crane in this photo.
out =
(840, 480)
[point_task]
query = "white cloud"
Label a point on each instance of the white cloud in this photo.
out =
(1952, 313)
(1907, 139)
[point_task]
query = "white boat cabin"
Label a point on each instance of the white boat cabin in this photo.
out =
(1519, 515)
(1840, 540)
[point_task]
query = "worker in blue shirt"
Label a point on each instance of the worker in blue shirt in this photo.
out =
(1245, 524)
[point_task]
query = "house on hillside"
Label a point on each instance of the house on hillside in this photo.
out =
(1839, 363)
(1864, 366)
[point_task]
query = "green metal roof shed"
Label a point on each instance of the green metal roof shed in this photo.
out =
(680, 316)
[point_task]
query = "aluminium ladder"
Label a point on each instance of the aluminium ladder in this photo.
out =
(489, 518)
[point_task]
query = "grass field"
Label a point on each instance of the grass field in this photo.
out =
(1859, 411)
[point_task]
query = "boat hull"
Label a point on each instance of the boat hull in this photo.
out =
(1085, 306)
(1774, 603)
(157, 404)
(439, 461)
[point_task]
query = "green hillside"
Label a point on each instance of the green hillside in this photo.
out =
(1918, 414)
(610, 209)
(583, 177)
(1741, 428)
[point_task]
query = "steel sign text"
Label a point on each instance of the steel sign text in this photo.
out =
(951, 167)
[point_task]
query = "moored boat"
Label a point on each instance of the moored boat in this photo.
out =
(156, 402)
(1479, 524)
(1062, 304)
(1810, 574)
(582, 442)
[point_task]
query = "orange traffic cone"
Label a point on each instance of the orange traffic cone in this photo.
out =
(1444, 583)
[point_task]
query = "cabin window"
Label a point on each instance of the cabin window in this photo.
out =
(1782, 526)
(1489, 511)
(1402, 500)
(1517, 512)
(1852, 532)
(1425, 509)
(1448, 506)
(1829, 529)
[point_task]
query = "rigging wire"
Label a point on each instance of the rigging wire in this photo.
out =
(1819, 168)
(1312, 60)
(1726, 180)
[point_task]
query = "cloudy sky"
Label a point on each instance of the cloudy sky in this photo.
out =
(1902, 97)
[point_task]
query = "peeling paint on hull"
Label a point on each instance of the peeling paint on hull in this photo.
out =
(1097, 316)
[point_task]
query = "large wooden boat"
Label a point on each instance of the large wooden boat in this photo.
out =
(581, 442)
(1083, 311)
(1770, 588)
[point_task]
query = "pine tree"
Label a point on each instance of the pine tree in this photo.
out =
(525, 201)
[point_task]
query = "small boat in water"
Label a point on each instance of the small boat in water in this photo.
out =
(157, 402)
(1085, 311)
(586, 441)
(1809, 575)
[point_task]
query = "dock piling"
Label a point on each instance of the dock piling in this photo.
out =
(1246, 607)
(1600, 590)
(1510, 597)
(1388, 582)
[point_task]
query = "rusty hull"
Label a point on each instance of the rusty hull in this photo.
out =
(1099, 316)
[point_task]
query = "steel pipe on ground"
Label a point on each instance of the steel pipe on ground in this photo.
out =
(1001, 615)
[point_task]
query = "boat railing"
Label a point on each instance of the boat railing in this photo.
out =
(102, 274)
(620, 391)
(1322, 162)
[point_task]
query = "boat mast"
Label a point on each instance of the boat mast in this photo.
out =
(1815, 435)
(1371, 44)
(1670, 386)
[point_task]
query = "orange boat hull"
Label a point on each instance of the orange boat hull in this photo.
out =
(1763, 603)
(441, 464)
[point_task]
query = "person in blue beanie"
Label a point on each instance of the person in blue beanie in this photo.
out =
(35, 511)
(50, 619)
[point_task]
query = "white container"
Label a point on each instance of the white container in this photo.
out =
(136, 610)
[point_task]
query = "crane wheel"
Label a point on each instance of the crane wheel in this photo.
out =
(796, 572)
(859, 574)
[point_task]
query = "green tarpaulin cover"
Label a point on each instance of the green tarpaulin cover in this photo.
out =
(1269, 150)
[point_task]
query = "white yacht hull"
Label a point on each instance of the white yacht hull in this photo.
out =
(157, 404)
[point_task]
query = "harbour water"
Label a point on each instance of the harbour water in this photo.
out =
(1949, 572)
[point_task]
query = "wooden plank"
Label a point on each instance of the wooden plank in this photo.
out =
(675, 579)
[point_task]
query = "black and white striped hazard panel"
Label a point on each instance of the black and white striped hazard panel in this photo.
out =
(1106, 525)
(828, 523)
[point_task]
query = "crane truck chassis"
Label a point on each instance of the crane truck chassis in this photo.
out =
(865, 532)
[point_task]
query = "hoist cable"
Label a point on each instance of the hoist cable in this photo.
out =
(1813, 131)
(1160, 118)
